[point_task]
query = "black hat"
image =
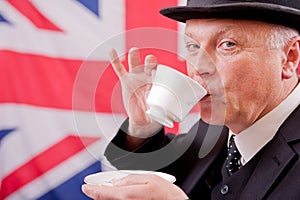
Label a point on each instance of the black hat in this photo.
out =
(284, 12)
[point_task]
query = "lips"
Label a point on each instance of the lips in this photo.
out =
(205, 98)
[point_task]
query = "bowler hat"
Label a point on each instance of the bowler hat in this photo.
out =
(284, 12)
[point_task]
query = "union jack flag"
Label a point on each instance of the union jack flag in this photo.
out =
(59, 102)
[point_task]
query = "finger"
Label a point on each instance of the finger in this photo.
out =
(129, 180)
(90, 190)
(134, 59)
(136, 179)
(100, 192)
(150, 64)
(116, 63)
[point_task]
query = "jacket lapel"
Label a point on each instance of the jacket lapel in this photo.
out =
(213, 143)
(275, 159)
(273, 162)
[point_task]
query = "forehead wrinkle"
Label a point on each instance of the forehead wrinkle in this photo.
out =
(243, 31)
(222, 25)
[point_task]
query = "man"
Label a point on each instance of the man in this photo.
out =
(246, 55)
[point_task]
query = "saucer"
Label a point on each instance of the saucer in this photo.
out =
(107, 178)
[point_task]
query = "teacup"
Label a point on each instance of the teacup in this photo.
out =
(172, 96)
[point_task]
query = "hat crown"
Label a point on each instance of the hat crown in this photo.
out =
(203, 3)
(282, 12)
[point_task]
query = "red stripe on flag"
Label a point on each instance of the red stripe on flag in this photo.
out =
(150, 9)
(33, 14)
(159, 35)
(62, 83)
(146, 14)
(52, 82)
(43, 162)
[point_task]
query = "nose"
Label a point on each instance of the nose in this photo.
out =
(200, 64)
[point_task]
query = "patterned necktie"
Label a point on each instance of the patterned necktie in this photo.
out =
(233, 157)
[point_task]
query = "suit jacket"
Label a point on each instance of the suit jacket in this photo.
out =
(196, 160)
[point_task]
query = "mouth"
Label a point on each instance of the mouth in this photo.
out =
(206, 98)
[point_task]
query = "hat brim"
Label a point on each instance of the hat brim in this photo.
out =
(265, 12)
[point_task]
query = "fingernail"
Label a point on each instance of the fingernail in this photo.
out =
(84, 187)
(133, 49)
(112, 54)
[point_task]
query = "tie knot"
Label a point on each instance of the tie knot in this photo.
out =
(233, 157)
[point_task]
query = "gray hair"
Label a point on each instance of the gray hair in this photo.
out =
(280, 36)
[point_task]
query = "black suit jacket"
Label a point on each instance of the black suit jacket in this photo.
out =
(196, 158)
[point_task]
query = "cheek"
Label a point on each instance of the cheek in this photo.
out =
(241, 84)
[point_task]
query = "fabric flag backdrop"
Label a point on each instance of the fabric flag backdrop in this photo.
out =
(59, 102)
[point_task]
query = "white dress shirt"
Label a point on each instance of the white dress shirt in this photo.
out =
(255, 137)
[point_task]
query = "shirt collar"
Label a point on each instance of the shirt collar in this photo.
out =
(255, 137)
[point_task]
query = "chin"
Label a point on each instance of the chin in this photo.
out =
(216, 119)
(213, 113)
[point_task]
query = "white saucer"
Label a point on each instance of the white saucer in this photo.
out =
(106, 178)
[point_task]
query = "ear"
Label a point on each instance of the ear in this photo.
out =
(292, 58)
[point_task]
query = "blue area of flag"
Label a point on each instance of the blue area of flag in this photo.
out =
(92, 5)
(2, 19)
(71, 189)
(5, 132)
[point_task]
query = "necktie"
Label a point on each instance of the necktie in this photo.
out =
(233, 157)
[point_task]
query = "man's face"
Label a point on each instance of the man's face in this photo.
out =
(233, 60)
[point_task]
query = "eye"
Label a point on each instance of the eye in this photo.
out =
(227, 45)
(192, 46)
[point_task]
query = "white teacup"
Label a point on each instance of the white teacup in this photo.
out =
(172, 96)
